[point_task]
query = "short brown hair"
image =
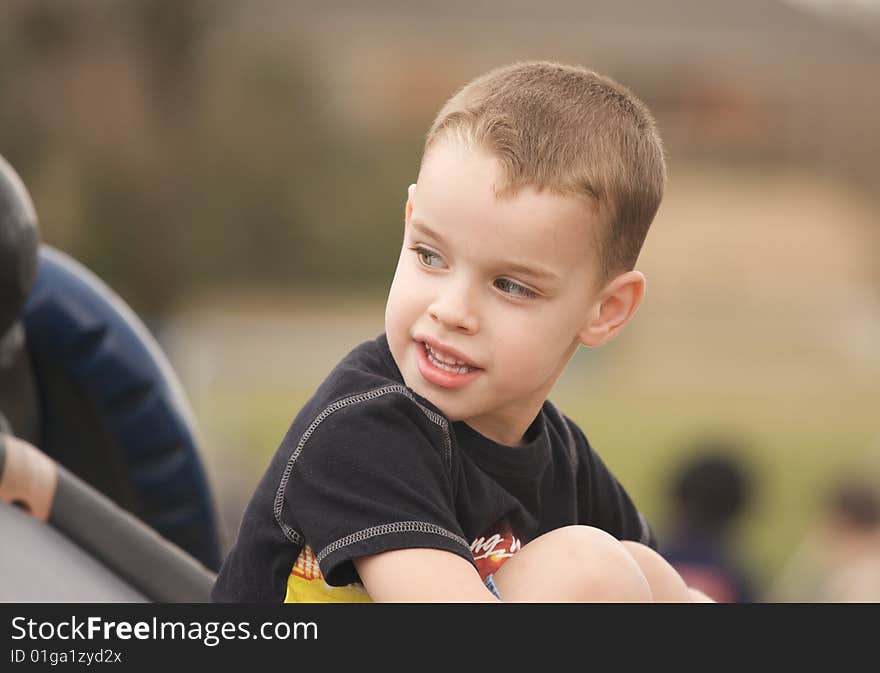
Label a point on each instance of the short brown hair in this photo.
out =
(570, 130)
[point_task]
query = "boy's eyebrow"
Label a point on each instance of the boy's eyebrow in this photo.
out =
(535, 272)
(426, 230)
(515, 267)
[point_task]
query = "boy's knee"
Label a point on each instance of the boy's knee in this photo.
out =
(606, 568)
(667, 586)
(584, 564)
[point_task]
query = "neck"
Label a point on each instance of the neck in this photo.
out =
(504, 431)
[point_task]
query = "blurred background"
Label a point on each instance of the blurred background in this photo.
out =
(237, 173)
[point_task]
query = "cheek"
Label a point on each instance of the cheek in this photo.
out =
(534, 347)
(402, 308)
(393, 311)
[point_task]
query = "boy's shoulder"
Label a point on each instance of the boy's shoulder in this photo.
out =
(367, 383)
(606, 504)
(368, 362)
(368, 367)
(368, 372)
(568, 435)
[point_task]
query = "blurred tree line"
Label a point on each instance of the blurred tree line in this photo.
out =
(165, 155)
(173, 145)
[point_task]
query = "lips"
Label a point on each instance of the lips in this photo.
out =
(445, 354)
(443, 366)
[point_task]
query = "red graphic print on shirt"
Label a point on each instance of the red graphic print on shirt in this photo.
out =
(494, 547)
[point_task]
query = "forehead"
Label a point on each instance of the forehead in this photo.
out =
(456, 196)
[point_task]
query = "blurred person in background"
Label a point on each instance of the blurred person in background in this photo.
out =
(710, 491)
(838, 560)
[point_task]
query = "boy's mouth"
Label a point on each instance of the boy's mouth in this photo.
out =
(443, 368)
(446, 362)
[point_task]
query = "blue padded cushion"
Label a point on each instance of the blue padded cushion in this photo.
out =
(112, 409)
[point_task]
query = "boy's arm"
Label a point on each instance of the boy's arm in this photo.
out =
(421, 575)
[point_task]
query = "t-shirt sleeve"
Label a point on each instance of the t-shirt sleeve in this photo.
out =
(372, 473)
(605, 503)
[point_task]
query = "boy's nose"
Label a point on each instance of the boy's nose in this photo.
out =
(456, 311)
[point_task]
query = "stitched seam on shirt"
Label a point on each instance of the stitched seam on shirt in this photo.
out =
(569, 438)
(289, 532)
(386, 529)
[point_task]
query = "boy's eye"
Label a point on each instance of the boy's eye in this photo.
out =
(429, 258)
(514, 289)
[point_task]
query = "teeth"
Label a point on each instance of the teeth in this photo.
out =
(446, 364)
(443, 358)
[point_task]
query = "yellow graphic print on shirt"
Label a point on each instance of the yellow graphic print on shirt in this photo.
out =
(306, 584)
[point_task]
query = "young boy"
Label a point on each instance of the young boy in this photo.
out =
(430, 466)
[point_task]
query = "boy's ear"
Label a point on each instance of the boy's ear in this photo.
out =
(410, 195)
(616, 304)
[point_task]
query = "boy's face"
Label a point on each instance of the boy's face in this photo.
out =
(499, 289)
